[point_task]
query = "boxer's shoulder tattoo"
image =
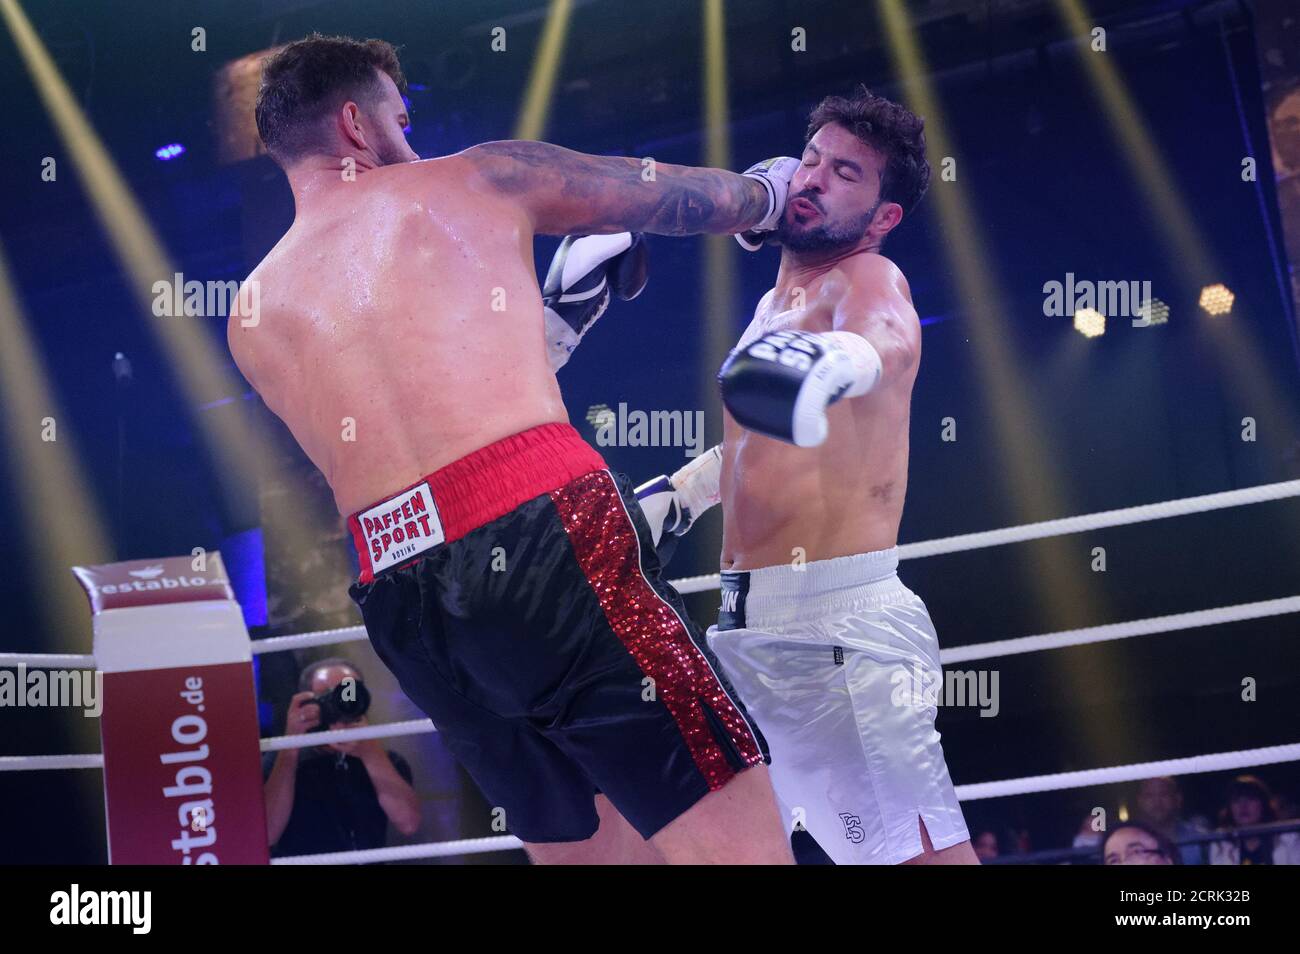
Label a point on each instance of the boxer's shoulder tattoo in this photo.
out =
(612, 192)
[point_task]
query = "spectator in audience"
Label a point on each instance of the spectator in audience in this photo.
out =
(1251, 803)
(985, 844)
(1015, 841)
(1134, 843)
(1158, 803)
(340, 796)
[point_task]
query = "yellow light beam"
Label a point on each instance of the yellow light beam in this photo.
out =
(1018, 432)
(1175, 222)
(535, 112)
(720, 251)
(1059, 581)
(62, 520)
(202, 373)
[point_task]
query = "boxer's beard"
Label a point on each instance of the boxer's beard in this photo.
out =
(825, 237)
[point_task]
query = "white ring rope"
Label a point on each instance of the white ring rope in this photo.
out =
(271, 644)
(1136, 627)
(1192, 765)
(1005, 647)
(433, 849)
(37, 763)
(47, 661)
(273, 743)
(1217, 762)
(1102, 519)
(320, 637)
(1221, 761)
(306, 740)
(907, 551)
(1061, 526)
(1002, 647)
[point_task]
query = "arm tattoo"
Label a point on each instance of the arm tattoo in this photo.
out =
(609, 192)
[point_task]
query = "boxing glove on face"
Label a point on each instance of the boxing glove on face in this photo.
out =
(782, 384)
(775, 175)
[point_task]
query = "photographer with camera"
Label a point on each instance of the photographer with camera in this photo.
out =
(342, 795)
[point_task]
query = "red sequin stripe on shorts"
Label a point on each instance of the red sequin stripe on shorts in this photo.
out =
(607, 549)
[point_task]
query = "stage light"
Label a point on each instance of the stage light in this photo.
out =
(1217, 299)
(1184, 243)
(169, 151)
(1089, 322)
(1153, 312)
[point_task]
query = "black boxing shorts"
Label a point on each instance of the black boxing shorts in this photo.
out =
(517, 597)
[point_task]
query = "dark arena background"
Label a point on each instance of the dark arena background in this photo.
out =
(1143, 153)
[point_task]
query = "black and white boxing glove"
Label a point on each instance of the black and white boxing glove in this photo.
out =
(672, 504)
(782, 384)
(775, 175)
(585, 273)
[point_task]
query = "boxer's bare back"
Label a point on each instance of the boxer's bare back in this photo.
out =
(784, 502)
(400, 323)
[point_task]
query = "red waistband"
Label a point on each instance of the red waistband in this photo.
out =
(485, 485)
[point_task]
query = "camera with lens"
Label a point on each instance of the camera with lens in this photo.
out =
(346, 702)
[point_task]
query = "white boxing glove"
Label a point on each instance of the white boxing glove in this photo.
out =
(775, 174)
(672, 504)
(585, 274)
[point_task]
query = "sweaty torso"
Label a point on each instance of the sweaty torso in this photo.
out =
(782, 503)
(400, 327)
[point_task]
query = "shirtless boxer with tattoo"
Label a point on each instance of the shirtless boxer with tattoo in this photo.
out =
(506, 576)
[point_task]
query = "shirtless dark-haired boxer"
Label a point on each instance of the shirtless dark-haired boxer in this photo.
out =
(506, 576)
(816, 631)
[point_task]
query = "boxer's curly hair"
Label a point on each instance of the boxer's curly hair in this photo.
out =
(310, 78)
(893, 130)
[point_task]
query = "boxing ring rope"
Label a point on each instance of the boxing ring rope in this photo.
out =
(1109, 631)
(1062, 526)
(275, 743)
(385, 730)
(1220, 761)
(40, 763)
(1085, 778)
(47, 660)
(1100, 520)
(1173, 622)
(271, 644)
(1215, 762)
(430, 849)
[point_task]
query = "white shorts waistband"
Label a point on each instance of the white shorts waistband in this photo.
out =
(779, 595)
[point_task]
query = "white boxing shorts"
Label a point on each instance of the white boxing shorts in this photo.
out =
(818, 655)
